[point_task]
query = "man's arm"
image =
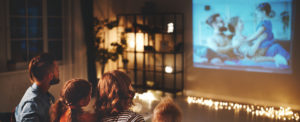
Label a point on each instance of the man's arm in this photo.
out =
(225, 48)
(212, 44)
(29, 112)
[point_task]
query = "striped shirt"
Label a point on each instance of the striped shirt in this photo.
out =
(125, 116)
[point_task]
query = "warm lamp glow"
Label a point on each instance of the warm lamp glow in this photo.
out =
(131, 43)
(170, 27)
(168, 69)
(138, 40)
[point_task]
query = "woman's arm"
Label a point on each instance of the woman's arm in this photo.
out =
(258, 33)
(256, 45)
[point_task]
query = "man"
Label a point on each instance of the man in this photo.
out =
(35, 104)
(219, 44)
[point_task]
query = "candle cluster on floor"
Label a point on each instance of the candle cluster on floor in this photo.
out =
(280, 113)
(146, 97)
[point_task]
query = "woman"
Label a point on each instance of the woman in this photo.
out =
(76, 93)
(114, 98)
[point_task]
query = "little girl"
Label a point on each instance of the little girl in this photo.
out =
(265, 44)
(243, 47)
(76, 93)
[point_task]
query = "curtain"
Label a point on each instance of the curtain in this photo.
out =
(87, 14)
(3, 34)
(74, 47)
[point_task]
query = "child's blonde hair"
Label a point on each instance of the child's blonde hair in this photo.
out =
(167, 111)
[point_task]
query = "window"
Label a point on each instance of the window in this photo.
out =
(35, 27)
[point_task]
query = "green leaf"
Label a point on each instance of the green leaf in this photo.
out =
(124, 41)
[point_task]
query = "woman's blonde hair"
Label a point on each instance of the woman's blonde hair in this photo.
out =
(233, 23)
(115, 93)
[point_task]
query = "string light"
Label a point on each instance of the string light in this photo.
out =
(270, 112)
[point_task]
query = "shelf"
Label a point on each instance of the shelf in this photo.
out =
(158, 88)
(147, 70)
(150, 14)
(160, 32)
(144, 64)
(158, 52)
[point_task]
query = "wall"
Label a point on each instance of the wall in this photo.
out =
(245, 87)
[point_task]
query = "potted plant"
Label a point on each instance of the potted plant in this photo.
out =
(116, 49)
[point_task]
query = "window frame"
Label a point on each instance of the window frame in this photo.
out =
(44, 27)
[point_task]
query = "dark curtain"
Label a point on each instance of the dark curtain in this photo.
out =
(87, 15)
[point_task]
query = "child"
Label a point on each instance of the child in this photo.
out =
(266, 46)
(76, 93)
(238, 41)
(167, 111)
(244, 47)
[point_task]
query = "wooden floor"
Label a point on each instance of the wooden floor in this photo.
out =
(191, 112)
(198, 113)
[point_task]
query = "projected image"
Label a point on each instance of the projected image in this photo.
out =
(251, 35)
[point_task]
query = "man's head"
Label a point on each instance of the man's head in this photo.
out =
(44, 69)
(215, 21)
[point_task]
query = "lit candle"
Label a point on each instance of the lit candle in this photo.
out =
(270, 112)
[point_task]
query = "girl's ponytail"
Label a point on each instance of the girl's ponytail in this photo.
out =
(57, 109)
(271, 14)
(74, 114)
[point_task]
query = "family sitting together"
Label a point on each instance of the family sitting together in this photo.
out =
(114, 97)
(258, 47)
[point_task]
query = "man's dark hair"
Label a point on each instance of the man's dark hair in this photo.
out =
(212, 19)
(40, 66)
